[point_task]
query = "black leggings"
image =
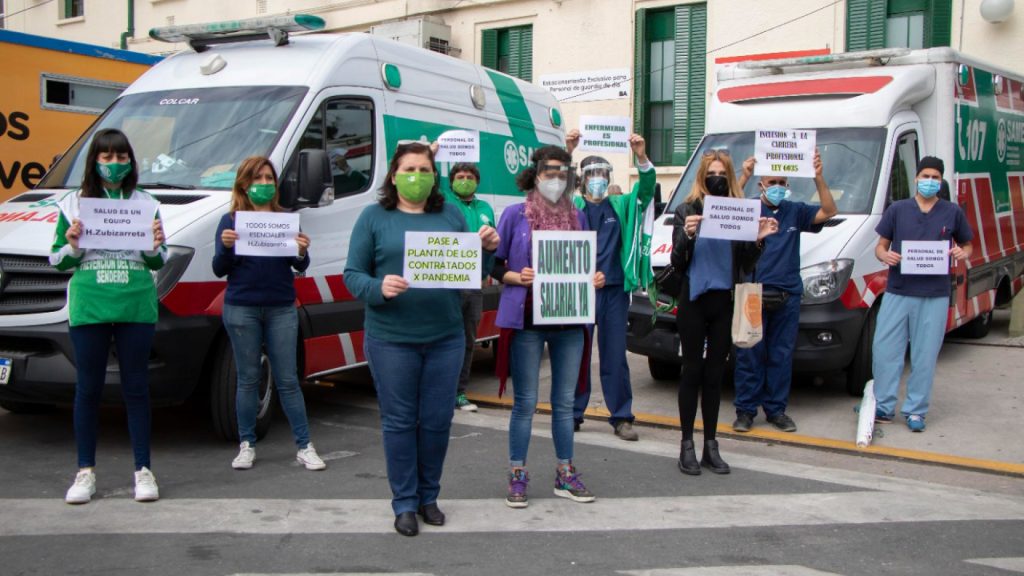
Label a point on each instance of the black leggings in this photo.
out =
(710, 317)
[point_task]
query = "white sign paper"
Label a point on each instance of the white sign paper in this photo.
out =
(267, 233)
(784, 153)
(564, 264)
(442, 260)
(588, 86)
(729, 218)
(458, 146)
(604, 134)
(116, 224)
(924, 257)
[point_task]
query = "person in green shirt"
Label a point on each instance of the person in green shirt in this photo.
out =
(111, 295)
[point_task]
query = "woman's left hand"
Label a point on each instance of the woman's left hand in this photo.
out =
(303, 243)
(158, 234)
(766, 227)
(599, 280)
(489, 238)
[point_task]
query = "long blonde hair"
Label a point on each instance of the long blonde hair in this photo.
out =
(244, 177)
(699, 190)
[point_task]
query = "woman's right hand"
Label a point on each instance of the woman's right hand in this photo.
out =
(526, 277)
(393, 285)
(691, 224)
(228, 238)
(73, 233)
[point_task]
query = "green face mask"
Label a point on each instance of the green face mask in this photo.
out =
(464, 187)
(260, 194)
(414, 186)
(113, 172)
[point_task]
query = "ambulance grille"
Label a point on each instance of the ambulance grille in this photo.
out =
(29, 285)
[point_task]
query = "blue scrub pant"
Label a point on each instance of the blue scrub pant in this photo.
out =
(922, 322)
(764, 373)
(610, 316)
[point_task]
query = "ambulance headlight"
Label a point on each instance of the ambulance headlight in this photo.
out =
(826, 281)
(178, 258)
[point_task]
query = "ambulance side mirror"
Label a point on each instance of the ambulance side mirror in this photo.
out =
(315, 185)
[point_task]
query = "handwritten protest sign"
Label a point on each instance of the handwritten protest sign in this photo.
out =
(604, 134)
(458, 146)
(924, 257)
(116, 224)
(442, 260)
(564, 264)
(730, 218)
(266, 233)
(784, 153)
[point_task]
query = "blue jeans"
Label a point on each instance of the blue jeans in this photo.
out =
(612, 311)
(253, 329)
(566, 349)
(922, 322)
(416, 393)
(92, 348)
(764, 373)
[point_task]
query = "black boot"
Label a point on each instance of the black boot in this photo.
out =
(712, 459)
(688, 459)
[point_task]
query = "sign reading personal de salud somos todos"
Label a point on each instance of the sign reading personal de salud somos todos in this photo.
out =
(267, 233)
(730, 218)
(564, 264)
(116, 224)
(588, 86)
(458, 146)
(924, 257)
(604, 134)
(442, 260)
(784, 153)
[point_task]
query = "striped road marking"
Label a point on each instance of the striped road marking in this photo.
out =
(1008, 564)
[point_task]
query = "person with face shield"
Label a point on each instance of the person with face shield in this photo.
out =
(547, 183)
(764, 372)
(619, 223)
(710, 269)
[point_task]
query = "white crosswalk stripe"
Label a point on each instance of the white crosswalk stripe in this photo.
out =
(1008, 564)
(773, 570)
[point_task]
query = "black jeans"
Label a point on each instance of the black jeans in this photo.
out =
(709, 319)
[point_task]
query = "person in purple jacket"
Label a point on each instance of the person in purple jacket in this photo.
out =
(548, 206)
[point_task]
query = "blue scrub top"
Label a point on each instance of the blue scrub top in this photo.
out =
(779, 265)
(602, 219)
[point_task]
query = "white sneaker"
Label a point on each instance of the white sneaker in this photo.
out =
(145, 486)
(82, 490)
(309, 458)
(246, 454)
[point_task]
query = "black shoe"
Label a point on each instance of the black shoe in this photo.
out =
(688, 459)
(743, 423)
(712, 459)
(432, 514)
(406, 524)
(782, 422)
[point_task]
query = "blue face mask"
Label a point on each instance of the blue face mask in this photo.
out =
(597, 187)
(776, 194)
(928, 188)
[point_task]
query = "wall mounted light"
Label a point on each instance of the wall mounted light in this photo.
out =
(996, 11)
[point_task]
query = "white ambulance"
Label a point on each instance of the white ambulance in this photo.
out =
(328, 110)
(875, 114)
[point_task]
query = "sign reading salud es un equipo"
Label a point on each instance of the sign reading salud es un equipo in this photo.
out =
(784, 153)
(266, 233)
(116, 224)
(564, 265)
(449, 260)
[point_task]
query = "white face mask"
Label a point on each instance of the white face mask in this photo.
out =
(551, 189)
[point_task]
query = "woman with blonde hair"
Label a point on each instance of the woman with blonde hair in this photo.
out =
(710, 268)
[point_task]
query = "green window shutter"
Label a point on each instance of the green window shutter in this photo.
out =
(865, 24)
(938, 23)
(489, 49)
(640, 72)
(523, 45)
(690, 80)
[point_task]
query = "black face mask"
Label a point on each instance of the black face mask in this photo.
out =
(717, 185)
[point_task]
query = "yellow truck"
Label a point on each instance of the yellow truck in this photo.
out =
(53, 90)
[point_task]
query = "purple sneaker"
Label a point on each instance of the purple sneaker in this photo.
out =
(568, 485)
(517, 481)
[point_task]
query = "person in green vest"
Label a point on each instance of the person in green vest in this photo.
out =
(623, 225)
(111, 296)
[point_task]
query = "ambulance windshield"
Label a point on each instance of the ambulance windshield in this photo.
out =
(851, 158)
(192, 138)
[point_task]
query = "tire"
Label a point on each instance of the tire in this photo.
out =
(859, 371)
(662, 370)
(15, 407)
(223, 384)
(977, 328)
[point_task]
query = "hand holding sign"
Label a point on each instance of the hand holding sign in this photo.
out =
(784, 153)
(458, 146)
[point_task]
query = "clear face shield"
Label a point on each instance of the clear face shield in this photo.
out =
(597, 178)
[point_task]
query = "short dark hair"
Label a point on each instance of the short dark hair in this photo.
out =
(388, 197)
(107, 140)
(464, 167)
(525, 180)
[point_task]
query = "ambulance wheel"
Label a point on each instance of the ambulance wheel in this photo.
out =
(223, 380)
(859, 371)
(15, 407)
(977, 328)
(662, 370)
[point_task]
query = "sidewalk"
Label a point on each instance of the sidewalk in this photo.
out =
(975, 420)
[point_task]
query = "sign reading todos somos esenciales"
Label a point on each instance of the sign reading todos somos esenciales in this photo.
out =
(266, 233)
(442, 260)
(564, 264)
(784, 153)
(116, 224)
(730, 218)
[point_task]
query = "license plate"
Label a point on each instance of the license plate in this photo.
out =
(5, 370)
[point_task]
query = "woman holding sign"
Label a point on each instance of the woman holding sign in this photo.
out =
(259, 314)
(548, 206)
(711, 268)
(111, 296)
(414, 339)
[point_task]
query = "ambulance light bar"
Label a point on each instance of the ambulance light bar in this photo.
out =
(202, 36)
(875, 57)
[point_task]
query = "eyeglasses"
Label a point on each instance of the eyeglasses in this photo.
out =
(716, 152)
